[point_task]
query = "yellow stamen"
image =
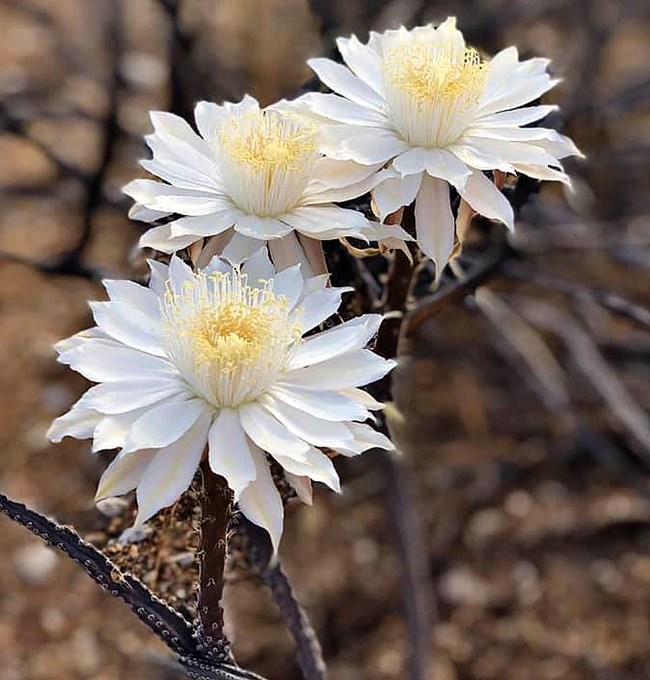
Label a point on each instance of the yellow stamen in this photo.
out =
(435, 72)
(267, 140)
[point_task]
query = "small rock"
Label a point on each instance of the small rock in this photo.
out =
(35, 563)
(183, 560)
(135, 534)
(462, 586)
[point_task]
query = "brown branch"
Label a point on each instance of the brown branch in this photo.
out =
(593, 366)
(255, 551)
(612, 301)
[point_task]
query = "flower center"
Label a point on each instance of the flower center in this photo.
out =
(229, 337)
(432, 90)
(230, 341)
(266, 159)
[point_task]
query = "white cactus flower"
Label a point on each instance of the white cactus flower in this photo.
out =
(251, 175)
(215, 364)
(436, 113)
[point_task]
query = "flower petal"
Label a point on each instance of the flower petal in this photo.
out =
(123, 474)
(344, 82)
(354, 334)
(106, 360)
(363, 61)
(171, 471)
(359, 367)
(317, 466)
(125, 323)
(268, 433)
(119, 397)
(366, 437)
(160, 238)
(261, 502)
(140, 297)
(229, 451)
(434, 221)
(395, 192)
(487, 200)
(326, 405)
(164, 424)
(300, 424)
(79, 422)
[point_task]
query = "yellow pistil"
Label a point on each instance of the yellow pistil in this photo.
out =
(435, 72)
(229, 337)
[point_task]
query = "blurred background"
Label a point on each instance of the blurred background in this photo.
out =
(523, 414)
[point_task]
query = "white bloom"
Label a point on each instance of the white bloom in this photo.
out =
(250, 174)
(438, 114)
(217, 358)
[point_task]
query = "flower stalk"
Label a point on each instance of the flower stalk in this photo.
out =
(216, 505)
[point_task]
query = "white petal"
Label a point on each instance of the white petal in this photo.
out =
(338, 174)
(344, 82)
(361, 144)
(366, 437)
(158, 278)
(434, 221)
(543, 173)
(120, 397)
(140, 297)
(309, 428)
(168, 198)
(342, 110)
(354, 334)
(112, 430)
(289, 283)
(128, 325)
(106, 360)
(261, 502)
(229, 452)
(261, 227)
(241, 247)
(171, 471)
(180, 274)
(160, 238)
(320, 305)
(302, 486)
(170, 124)
(164, 424)
(140, 213)
(487, 200)
(317, 466)
(123, 474)
(395, 192)
(78, 422)
(443, 164)
(363, 60)
(209, 116)
(411, 162)
(517, 93)
(268, 433)
(258, 267)
(206, 225)
(315, 221)
(524, 116)
(481, 159)
(327, 405)
(80, 338)
(359, 367)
